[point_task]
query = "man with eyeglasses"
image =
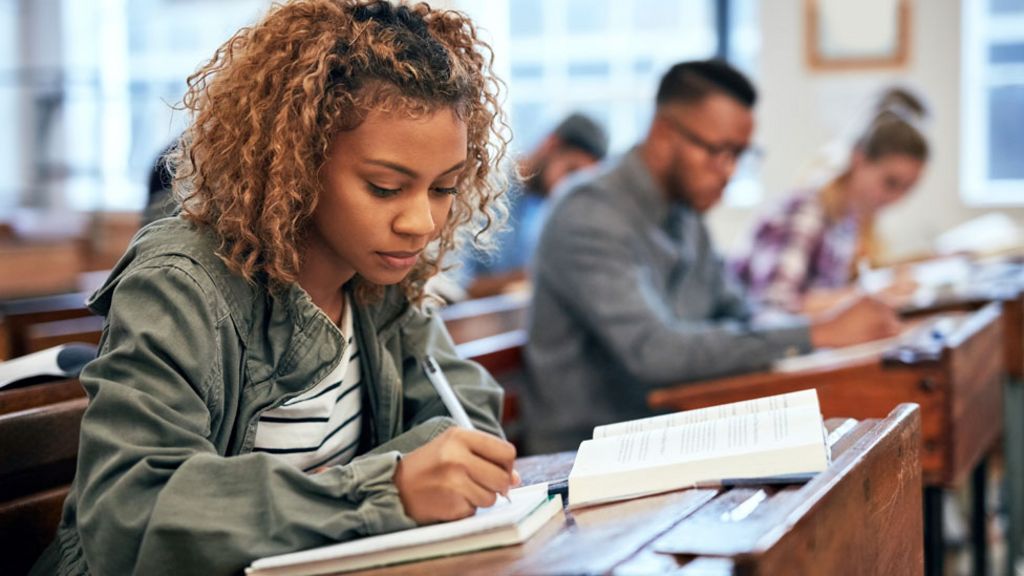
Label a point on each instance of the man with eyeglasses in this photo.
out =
(629, 291)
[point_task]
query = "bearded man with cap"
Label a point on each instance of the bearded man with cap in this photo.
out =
(576, 143)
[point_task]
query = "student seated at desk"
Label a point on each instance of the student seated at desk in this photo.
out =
(803, 256)
(258, 389)
(629, 292)
(576, 143)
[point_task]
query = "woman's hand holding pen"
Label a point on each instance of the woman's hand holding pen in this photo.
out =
(858, 319)
(454, 474)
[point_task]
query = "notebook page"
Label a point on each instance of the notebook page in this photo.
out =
(522, 501)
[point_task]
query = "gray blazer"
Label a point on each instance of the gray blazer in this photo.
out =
(630, 295)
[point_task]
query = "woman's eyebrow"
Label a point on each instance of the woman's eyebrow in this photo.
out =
(409, 171)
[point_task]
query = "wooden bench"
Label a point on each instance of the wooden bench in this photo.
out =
(502, 356)
(29, 268)
(861, 516)
(19, 316)
(483, 317)
(956, 381)
(36, 395)
(43, 335)
(40, 450)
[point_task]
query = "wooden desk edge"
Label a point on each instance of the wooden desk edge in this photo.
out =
(901, 426)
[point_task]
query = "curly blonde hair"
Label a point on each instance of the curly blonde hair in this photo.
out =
(268, 104)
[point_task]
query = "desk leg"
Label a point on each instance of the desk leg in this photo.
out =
(934, 547)
(1013, 479)
(978, 517)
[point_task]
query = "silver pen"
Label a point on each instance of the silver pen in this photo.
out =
(451, 402)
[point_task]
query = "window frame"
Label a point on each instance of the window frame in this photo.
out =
(980, 30)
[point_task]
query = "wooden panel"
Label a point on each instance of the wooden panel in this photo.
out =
(881, 492)
(39, 447)
(19, 315)
(1005, 284)
(502, 356)
(37, 395)
(27, 526)
(45, 335)
(483, 317)
(109, 236)
(1013, 334)
(21, 272)
(870, 388)
(976, 412)
(499, 354)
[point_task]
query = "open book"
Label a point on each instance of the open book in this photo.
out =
(503, 524)
(775, 436)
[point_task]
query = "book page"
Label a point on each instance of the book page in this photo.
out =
(755, 445)
(800, 398)
(742, 433)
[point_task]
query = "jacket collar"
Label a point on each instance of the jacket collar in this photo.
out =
(648, 194)
(311, 341)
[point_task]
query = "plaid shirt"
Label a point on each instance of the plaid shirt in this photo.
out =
(797, 248)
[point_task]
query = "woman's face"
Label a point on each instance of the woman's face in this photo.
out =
(874, 184)
(387, 190)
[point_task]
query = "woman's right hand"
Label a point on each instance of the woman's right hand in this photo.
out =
(454, 474)
(856, 320)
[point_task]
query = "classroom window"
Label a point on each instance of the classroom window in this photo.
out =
(605, 58)
(992, 145)
(88, 89)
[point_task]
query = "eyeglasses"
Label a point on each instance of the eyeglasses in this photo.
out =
(716, 152)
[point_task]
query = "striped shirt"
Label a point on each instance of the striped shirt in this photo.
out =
(321, 426)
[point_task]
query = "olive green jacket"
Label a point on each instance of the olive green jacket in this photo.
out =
(167, 482)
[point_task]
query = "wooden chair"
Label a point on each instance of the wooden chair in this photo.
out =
(43, 335)
(20, 315)
(109, 235)
(42, 394)
(40, 450)
(21, 274)
(483, 317)
(502, 356)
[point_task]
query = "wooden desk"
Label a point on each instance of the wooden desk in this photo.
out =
(36, 395)
(491, 331)
(35, 323)
(861, 516)
(998, 281)
(29, 268)
(957, 383)
(39, 447)
(484, 317)
(20, 315)
(993, 282)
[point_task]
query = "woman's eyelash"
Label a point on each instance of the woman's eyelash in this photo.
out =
(383, 192)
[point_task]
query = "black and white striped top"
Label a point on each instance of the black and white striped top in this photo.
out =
(321, 426)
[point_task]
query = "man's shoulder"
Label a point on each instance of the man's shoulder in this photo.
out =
(602, 192)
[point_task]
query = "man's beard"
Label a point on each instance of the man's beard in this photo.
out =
(535, 181)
